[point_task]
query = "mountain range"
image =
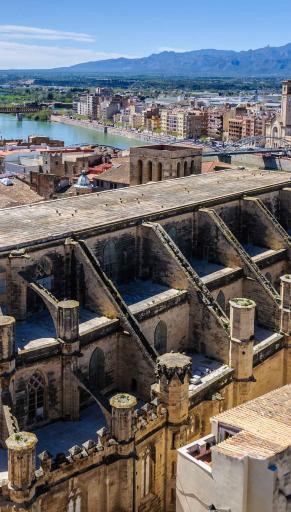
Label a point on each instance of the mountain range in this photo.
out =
(268, 61)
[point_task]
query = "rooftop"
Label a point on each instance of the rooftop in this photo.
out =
(263, 425)
(62, 217)
(17, 194)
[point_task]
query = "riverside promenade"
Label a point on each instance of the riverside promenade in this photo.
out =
(122, 132)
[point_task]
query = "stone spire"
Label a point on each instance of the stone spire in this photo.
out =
(174, 372)
(21, 465)
(242, 321)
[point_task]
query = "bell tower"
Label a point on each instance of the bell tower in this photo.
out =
(286, 107)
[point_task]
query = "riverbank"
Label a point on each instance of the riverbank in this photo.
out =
(13, 128)
(121, 132)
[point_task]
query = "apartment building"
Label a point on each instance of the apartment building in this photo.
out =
(246, 126)
(183, 123)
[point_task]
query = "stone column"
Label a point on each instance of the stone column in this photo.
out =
(68, 320)
(174, 372)
(242, 319)
(7, 368)
(21, 466)
(68, 332)
(7, 338)
(17, 288)
(122, 411)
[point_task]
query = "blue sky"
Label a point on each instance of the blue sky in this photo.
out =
(52, 33)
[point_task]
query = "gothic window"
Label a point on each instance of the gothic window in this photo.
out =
(97, 369)
(146, 476)
(160, 171)
(221, 300)
(178, 169)
(192, 166)
(74, 504)
(35, 389)
(20, 402)
(185, 168)
(173, 469)
(150, 170)
(139, 172)
(110, 259)
(160, 339)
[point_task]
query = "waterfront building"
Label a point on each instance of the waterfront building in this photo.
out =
(183, 123)
(244, 464)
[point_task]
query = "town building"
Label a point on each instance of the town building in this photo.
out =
(120, 315)
(163, 162)
(183, 123)
(280, 125)
(250, 125)
(244, 464)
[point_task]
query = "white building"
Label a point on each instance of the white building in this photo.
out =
(244, 465)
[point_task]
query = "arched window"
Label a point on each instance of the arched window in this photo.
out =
(146, 472)
(192, 167)
(139, 172)
(150, 171)
(74, 504)
(160, 171)
(185, 168)
(221, 299)
(110, 259)
(161, 335)
(20, 402)
(178, 170)
(97, 369)
(35, 388)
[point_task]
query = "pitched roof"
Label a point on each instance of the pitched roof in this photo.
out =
(264, 425)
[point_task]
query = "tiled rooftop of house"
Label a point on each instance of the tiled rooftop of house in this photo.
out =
(62, 217)
(19, 193)
(263, 425)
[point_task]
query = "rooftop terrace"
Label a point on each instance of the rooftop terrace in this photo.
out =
(63, 217)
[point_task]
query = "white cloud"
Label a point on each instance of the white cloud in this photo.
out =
(15, 55)
(23, 32)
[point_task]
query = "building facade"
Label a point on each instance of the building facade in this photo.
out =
(116, 319)
(252, 444)
(280, 126)
(163, 162)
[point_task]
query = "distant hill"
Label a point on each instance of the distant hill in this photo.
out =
(268, 61)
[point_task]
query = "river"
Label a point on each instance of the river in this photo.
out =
(10, 128)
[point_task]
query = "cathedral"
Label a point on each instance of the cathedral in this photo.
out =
(128, 319)
(280, 126)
